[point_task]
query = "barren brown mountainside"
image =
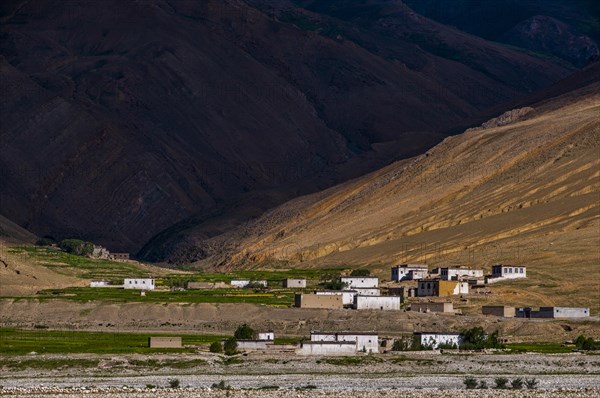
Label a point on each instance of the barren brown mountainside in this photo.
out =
(120, 119)
(525, 189)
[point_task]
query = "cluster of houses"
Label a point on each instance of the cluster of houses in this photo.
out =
(529, 313)
(102, 253)
(359, 292)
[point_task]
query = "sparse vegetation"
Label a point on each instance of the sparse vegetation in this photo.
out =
(360, 272)
(174, 383)
(221, 385)
(500, 383)
(216, 347)
(352, 361)
(470, 383)
(482, 385)
(517, 383)
(531, 384)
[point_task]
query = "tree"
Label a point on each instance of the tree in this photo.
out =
(586, 344)
(476, 339)
(216, 347)
(230, 346)
(245, 332)
(360, 272)
(77, 247)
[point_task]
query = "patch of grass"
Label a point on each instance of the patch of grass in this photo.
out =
(231, 360)
(278, 298)
(543, 348)
(20, 342)
(352, 361)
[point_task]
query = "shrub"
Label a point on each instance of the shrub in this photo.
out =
(245, 332)
(470, 383)
(531, 383)
(221, 385)
(586, 344)
(230, 346)
(476, 339)
(500, 382)
(150, 386)
(482, 385)
(76, 247)
(335, 284)
(174, 383)
(216, 347)
(517, 383)
(360, 272)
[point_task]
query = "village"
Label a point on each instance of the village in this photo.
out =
(412, 288)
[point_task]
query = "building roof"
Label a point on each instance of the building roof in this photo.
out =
(346, 333)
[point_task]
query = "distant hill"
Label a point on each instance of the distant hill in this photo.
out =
(125, 123)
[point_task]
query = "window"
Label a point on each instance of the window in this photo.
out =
(521, 270)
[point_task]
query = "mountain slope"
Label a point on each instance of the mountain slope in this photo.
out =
(524, 192)
(123, 119)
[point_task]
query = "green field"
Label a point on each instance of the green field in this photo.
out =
(544, 348)
(21, 342)
(278, 298)
(83, 267)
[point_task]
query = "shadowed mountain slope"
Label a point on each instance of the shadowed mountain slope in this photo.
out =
(122, 119)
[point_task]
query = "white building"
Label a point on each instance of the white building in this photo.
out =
(365, 341)
(268, 336)
(407, 272)
(435, 339)
(353, 282)
(246, 282)
(139, 283)
(377, 302)
(294, 283)
(328, 348)
(553, 312)
(252, 344)
(449, 274)
(347, 295)
(503, 272)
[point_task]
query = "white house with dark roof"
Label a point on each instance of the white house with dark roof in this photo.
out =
(407, 272)
(502, 272)
(365, 341)
(139, 283)
(435, 339)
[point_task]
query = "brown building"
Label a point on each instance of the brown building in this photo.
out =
(499, 310)
(164, 342)
(319, 301)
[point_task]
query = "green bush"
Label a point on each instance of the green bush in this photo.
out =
(230, 346)
(531, 383)
(150, 386)
(45, 241)
(470, 383)
(216, 347)
(245, 332)
(360, 272)
(476, 339)
(174, 383)
(76, 247)
(517, 383)
(586, 344)
(221, 386)
(482, 385)
(500, 383)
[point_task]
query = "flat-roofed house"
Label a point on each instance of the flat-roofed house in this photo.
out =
(294, 283)
(440, 288)
(435, 339)
(329, 348)
(448, 273)
(347, 295)
(501, 272)
(139, 283)
(246, 282)
(360, 281)
(325, 301)
(407, 272)
(553, 312)
(365, 341)
(377, 302)
(499, 310)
